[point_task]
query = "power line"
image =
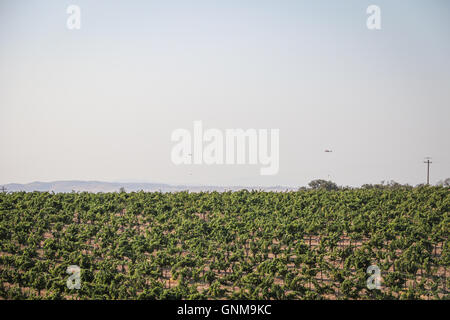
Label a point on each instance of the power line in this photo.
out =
(428, 162)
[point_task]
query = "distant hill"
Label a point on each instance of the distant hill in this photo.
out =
(101, 186)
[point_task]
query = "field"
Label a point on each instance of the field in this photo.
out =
(309, 244)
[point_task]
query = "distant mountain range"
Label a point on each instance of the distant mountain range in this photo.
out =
(101, 186)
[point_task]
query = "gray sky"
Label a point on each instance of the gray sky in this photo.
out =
(100, 103)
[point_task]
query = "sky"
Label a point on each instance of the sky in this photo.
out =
(101, 102)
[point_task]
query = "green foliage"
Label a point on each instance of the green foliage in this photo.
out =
(310, 244)
(323, 184)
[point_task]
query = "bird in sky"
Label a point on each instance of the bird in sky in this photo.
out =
(327, 150)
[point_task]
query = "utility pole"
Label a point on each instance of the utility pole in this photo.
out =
(428, 162)
(3, 189)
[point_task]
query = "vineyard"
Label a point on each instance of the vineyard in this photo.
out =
(308, 244)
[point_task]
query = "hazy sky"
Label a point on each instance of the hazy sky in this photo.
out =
(100, 103)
